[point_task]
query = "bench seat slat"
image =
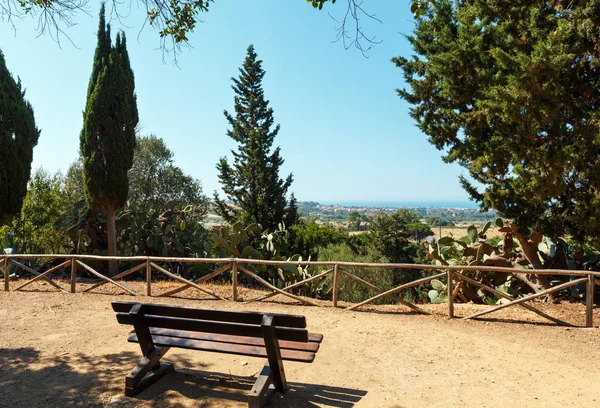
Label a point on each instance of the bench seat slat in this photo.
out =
(246, 330)
(227, 348)
(224, 338)
(280, 320)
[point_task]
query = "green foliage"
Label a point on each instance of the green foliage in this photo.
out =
(418, 230)
(306, 237)
(292, 212)
(319, 3)
(437, 222)
(236, 241)
(417, 7)
(177, 19)
(391, 235)
(32, 231)
(155, 182)
(174, 232)
(249, 243)
(509, 91)
(475, 249)
(159, 191)
(74, 190)
(18, 136)
(360, 243)
(252, 182)
(438, 294)
(84, 228)
(358, 221)
(108, 137)
(350, 290)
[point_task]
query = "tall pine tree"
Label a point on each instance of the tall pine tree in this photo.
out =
(108, 137)
(18, 137)
(252, 183)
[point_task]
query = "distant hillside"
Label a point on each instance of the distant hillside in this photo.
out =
(444, 215)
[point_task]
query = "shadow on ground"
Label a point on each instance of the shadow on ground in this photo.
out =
(29, 379)
(219, 388)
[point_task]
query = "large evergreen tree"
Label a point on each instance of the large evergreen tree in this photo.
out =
(108, 137)
(252, 183)
(18, 136)
(510, 90)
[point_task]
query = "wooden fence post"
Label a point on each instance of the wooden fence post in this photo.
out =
(234, 278)
(73, 274)
(148, 277)
(335, 285)
(6, 274)
(450, 291)
(589, 302)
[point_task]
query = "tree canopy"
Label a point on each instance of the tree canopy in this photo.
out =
(510, 91)
(252, 182)
(18, 136)
(391, 235)
(32, 230)
(108, 137)
(110, 118)
(155, 181)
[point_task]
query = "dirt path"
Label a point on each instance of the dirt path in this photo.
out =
(68, 350)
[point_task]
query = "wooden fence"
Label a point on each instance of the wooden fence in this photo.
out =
(454, 274)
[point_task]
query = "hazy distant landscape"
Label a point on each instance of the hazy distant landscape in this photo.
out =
(450, 213)
(447, 214)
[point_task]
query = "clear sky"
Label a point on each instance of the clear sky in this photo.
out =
(345, 134)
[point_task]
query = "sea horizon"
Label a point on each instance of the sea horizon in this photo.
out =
(406, 204)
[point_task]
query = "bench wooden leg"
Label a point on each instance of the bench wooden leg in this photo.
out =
(137, 380)
(261, 393)
(273, 353)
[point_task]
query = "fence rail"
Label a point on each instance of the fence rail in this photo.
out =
(454, 274)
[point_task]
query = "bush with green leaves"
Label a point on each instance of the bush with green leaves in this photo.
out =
(350, 290)
(306, 237)
(31, 231)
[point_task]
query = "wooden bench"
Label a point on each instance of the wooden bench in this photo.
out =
(157, 328)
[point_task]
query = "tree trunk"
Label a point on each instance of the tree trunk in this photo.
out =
(113, 267)
(530, 252)
(535, 282)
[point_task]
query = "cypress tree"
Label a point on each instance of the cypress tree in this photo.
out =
(107, 140)
(252, 183)
(18, 136)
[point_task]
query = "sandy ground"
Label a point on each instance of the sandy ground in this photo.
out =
(61, 350)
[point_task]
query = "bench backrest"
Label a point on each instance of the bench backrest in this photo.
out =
(288, 327)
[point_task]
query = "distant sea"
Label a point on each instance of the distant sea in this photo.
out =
(442, 204)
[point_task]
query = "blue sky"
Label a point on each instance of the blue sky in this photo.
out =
(345, 134)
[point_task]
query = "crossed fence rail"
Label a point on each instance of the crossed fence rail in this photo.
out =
(454, 274)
